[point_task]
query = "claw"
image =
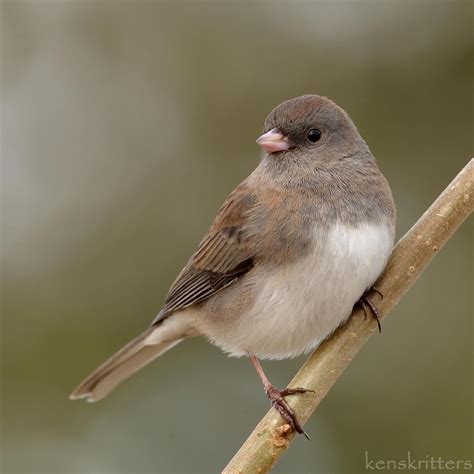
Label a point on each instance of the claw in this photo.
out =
(378, 292)
(277, 399)
(375, 312)
(296, 390)
(362, 303)
(278, 402)
(364, 300)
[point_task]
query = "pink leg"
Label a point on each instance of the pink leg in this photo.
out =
(277, 398)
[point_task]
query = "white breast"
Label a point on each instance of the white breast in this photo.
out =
(300, 305)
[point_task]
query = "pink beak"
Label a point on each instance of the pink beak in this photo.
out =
(274, 140)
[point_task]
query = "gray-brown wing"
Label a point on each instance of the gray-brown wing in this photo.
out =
(223, 255)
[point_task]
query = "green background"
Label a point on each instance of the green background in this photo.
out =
(124, 127)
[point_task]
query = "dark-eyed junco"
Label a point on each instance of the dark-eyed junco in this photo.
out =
(290, 252)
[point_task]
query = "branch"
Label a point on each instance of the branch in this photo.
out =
(410, 257)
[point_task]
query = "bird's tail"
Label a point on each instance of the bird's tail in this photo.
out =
(136, 354)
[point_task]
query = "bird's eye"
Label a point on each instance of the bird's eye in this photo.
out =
(314, 135)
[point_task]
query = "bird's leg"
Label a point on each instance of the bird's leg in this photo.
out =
(364, 301)
(277, 399)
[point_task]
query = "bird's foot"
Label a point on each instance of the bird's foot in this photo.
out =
(364, 301)
(277, 398)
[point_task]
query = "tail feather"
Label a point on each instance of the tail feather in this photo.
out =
(128, 360)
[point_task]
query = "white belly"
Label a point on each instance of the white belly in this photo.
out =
(300, 305)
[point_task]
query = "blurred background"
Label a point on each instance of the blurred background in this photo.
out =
(124, 127)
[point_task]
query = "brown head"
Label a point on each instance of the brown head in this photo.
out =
(312, 127)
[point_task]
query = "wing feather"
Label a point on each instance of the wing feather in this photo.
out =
(225, 254)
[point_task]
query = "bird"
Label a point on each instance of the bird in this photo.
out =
(292, 250)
